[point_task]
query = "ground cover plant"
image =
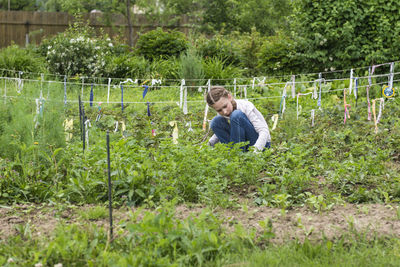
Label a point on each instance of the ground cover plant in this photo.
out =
(317, 168)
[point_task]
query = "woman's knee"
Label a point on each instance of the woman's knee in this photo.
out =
(217, 121)
(237, 115)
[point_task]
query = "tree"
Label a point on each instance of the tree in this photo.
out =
(26, 5)
(344, 33)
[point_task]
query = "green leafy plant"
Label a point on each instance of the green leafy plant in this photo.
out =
(14, 58)
(159, 43)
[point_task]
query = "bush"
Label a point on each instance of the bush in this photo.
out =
(164, 69)
(250, 47)
(76, 51)
(125, 66)
(216, 69)
(278, 55)
(336, 35)
(219, 47)
(158, 43)
(191, 67)
(20, 59)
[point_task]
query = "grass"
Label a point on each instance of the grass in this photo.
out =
(316, 167)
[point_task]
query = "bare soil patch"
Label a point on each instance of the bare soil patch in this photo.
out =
(297, 223)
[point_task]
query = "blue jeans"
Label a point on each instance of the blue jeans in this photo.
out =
(239, 130)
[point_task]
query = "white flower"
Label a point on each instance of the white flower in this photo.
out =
(97, 47)
(10, 260)
(49, 47)
(58, 265)
(39, 264)
(110, 44)
(330, 58)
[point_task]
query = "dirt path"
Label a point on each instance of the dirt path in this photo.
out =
(298, 223)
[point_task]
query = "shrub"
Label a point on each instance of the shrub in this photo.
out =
(191, 67)
(125, 66)
(159, 43)
(249, 47)
(278, 55)
(20, 59)
(164, 68)
(76, 52)
(216, 68)
(219, 47)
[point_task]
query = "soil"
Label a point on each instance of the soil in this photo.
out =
(299, 223)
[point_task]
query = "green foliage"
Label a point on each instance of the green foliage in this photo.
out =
(278, 55)
(94, 213)
(217, 69)
(158, 43)
(20, 59)
(126, 65)
(219, 46)
(160, 239)
(76, 52)
(191, 66)
(26, 5)
(266, 16)
(340, 34)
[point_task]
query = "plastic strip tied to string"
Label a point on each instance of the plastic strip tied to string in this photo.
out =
(381, 107)
(206, 108)
(282, 105)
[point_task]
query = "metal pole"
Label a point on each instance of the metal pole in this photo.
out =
(109, 185)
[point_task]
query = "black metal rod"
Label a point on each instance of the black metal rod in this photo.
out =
(83, 129)
(109, 185)
(80, 114)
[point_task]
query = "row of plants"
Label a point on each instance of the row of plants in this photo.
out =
(339, 163)
(162, 238)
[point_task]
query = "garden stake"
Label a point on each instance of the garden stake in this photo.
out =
(109, 186)
(83, 128)
(80, 113)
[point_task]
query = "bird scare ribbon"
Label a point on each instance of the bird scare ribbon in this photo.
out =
(91, 96)
(346, 107)
(181, 93)
(206, 108)
(351, 81)
(108, 90)
(145, 90)
(175, 133)
(274, 119)
(369, 86)
(68, 126)
(148, 109)
(293, 86)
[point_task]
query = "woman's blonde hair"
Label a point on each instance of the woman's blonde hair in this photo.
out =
(215, 94)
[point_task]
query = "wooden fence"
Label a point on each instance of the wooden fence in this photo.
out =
(26, 27)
